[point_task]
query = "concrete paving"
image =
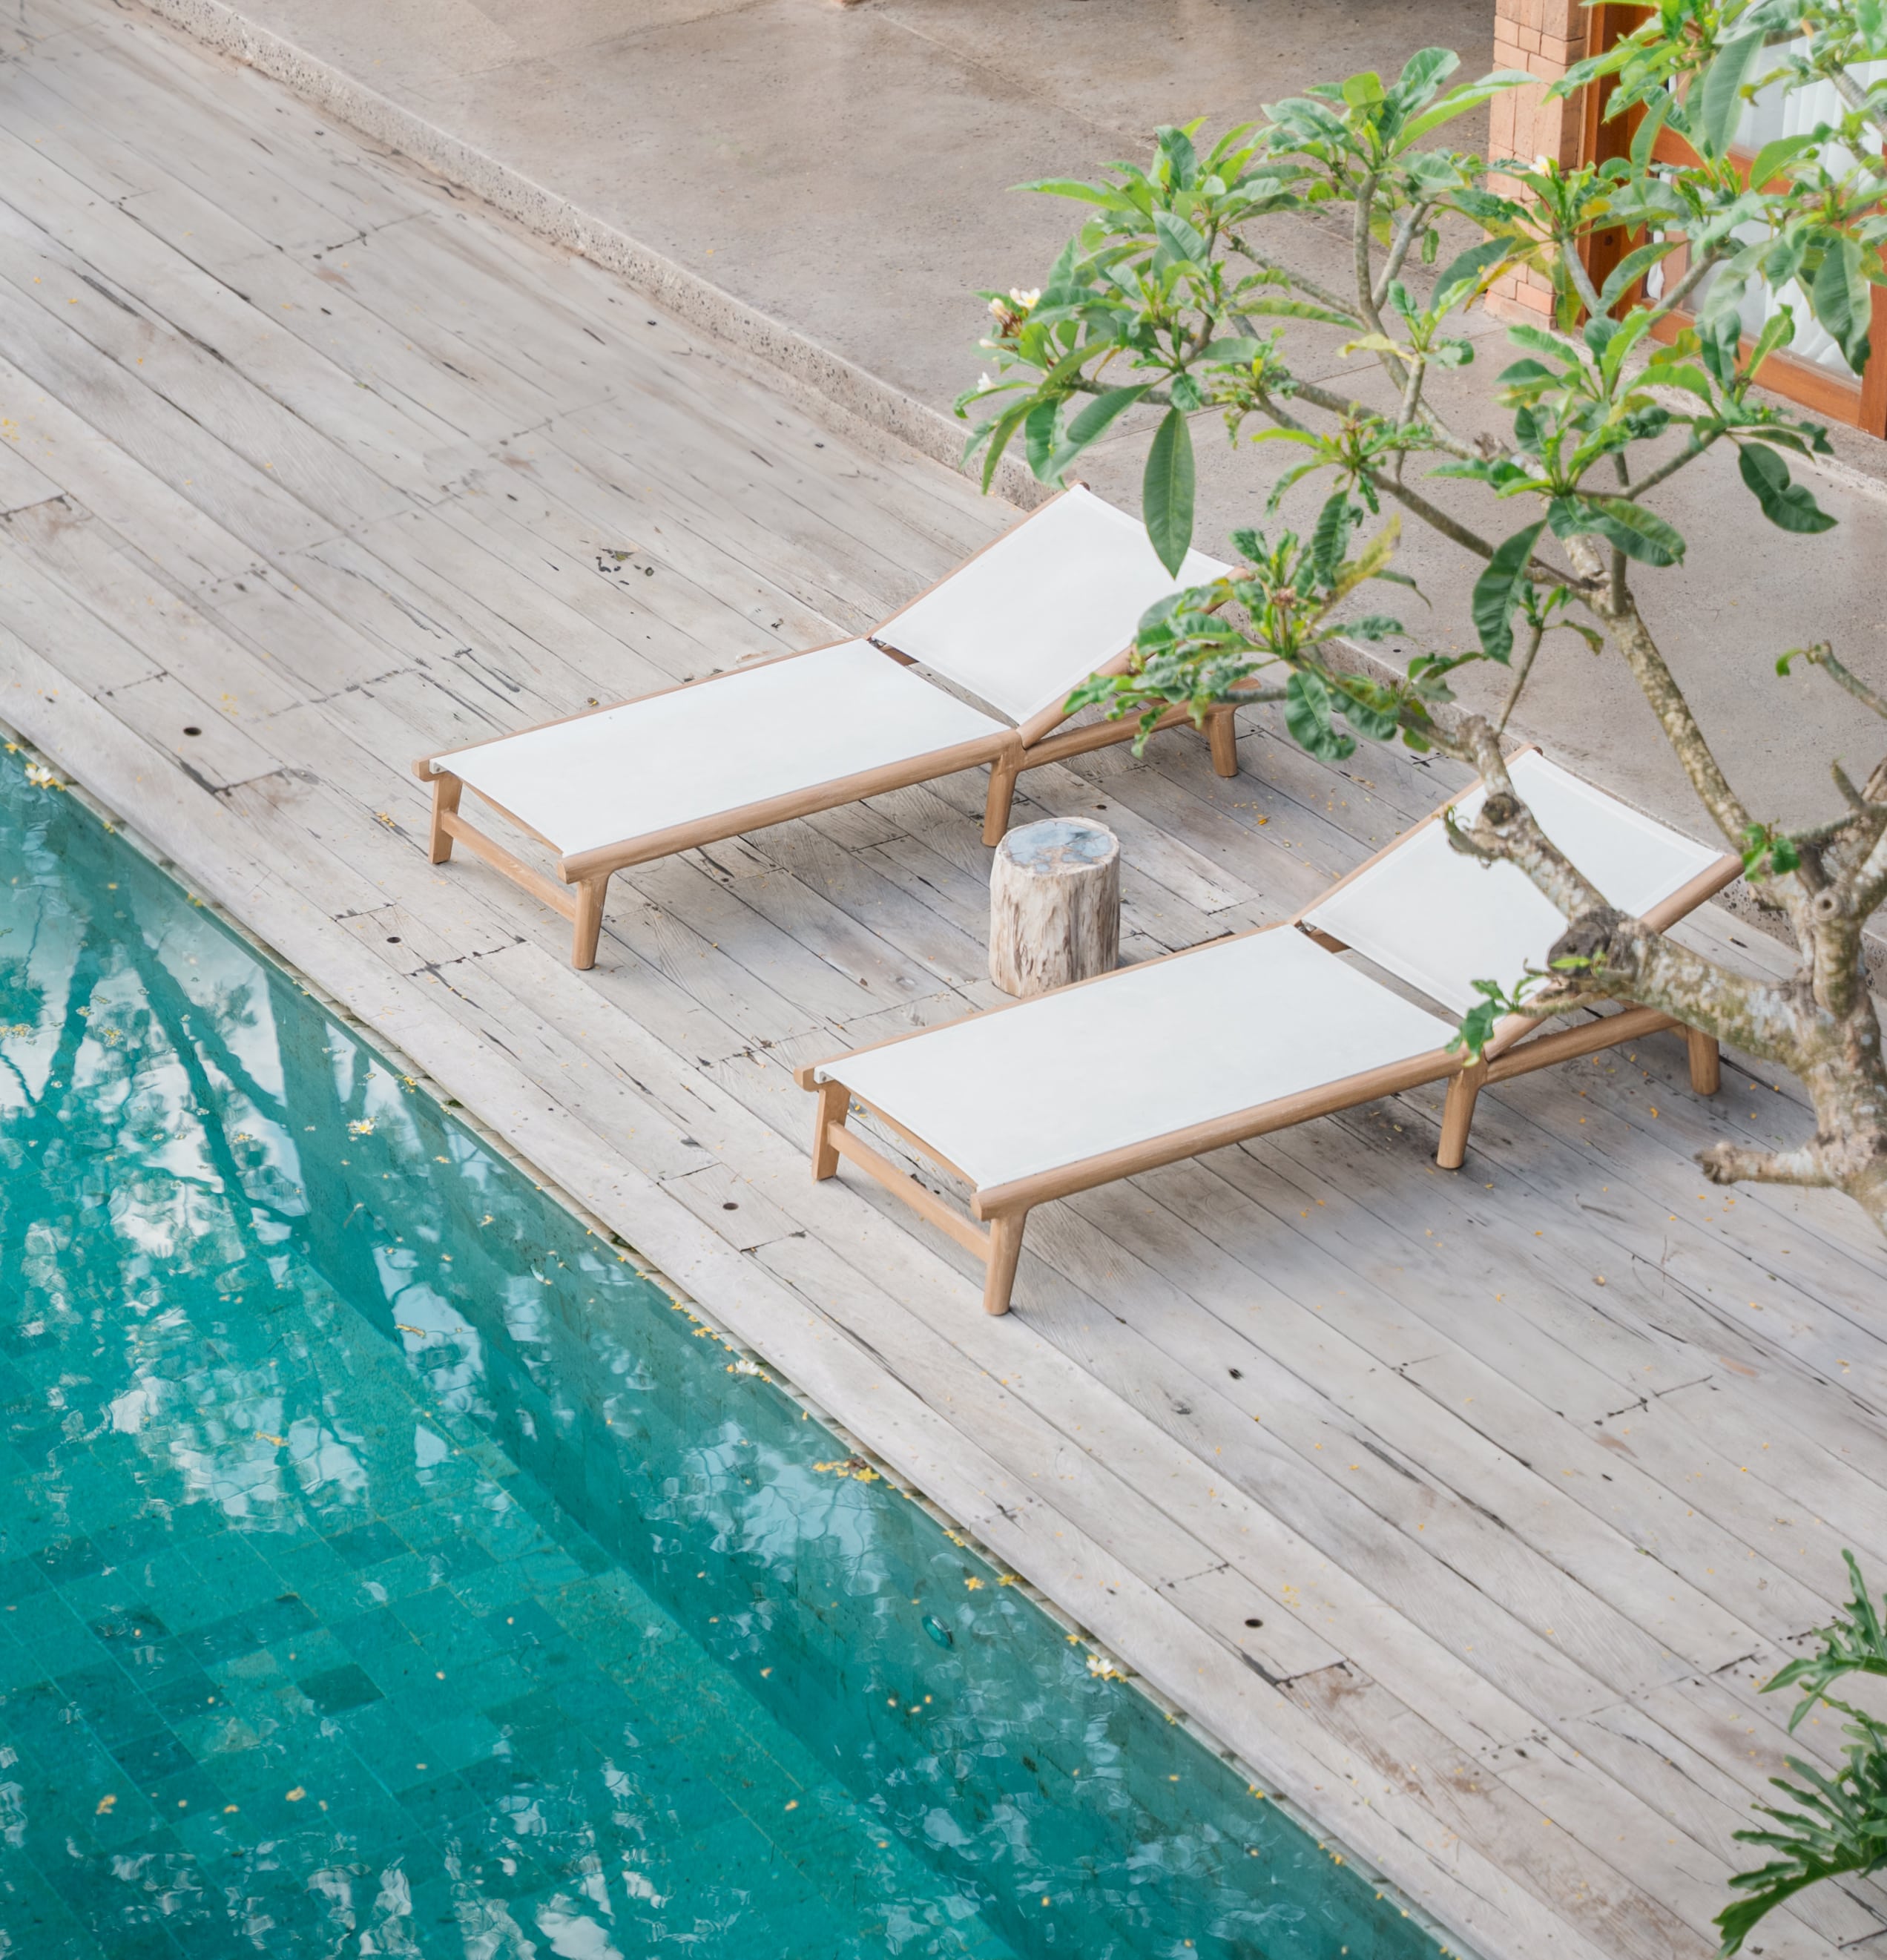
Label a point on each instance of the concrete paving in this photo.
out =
(848, 170)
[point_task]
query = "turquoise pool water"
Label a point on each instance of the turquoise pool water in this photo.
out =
(387, 1568)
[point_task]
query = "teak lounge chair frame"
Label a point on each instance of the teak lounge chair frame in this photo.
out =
(993, 1230)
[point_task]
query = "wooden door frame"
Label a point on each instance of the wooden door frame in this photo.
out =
(1861, 403)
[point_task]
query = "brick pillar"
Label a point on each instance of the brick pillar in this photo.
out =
(1546, 37)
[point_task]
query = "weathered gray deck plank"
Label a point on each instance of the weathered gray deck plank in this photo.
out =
(1520, 1543)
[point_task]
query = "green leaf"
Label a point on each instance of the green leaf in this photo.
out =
(1177, 145)
(1773, 157)
(1467, 271)
(1644, 139)
(1842, 301)
(1476, 1028)
(1786, 504)
(1458, 101)
(1362, 90)
(1638, 533)
(1423, 73)
(1166, 490)
(1279, 308)
(1855, 1643)
(1719, 337)
(1498, 588)
(1632, 268)
(1768, 852)
(1718, 104)
(1629, 332)
(1375, 626)
(1598, 336)
(999, 431)
(1680, 374)
(1101, 413)
(1038, 433)
(1104, 195)
(1331, 537)
(1379, 719)
(1178, 240)
(1307, 716)
(1541, 341)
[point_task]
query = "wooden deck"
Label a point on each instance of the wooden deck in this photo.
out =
(1469, 1510)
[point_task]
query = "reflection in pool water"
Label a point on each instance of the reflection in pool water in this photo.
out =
(389, 1568)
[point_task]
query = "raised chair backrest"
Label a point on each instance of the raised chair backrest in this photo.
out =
(1053, 600)
(1441, 920)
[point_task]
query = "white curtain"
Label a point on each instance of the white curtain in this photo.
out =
(1777, 112)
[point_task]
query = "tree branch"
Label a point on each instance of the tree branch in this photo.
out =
(1821, 654)
(1737, 1163)
(1622, 959)
(1290, 275)
(1412, 500)
(1360, 242)
(1866, 885)
(1506, 829)
(1399, 249)
(1524, 666)
(1688, 454)
(1659, 687)
(1694, 274)
(1345, 405)
(1851, 92)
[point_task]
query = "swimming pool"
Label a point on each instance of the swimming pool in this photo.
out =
(390, 1567)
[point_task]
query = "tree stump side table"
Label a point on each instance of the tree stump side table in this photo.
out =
(1054, 905)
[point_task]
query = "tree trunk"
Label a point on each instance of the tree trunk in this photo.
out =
(1054, 905)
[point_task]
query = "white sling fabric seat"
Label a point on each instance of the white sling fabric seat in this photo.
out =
(1050, 601)
(1146, 1051)
(1057, 597)
(740, 739)
(1158, 1062)
(1441, 920)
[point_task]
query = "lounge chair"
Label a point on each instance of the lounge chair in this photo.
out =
(1183, 1054)
(1056, 598)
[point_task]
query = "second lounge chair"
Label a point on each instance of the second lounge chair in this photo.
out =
(1056, 598)
(1178, 1056)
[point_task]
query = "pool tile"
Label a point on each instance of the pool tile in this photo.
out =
(151, 1757)
(184, 1693)
(665, 1643)
(366, 1544)
(335, 1689)
(248, 1631)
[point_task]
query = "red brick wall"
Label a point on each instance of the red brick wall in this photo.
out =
(1546, 37)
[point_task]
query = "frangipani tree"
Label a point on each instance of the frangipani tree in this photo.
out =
(1170, 299)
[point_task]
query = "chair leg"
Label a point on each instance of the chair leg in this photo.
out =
(1005, 1249)
(1706, 1064)
(1457, 1117)
(1002, 795)
(582, 955)
(1221, 729)
(446, 793)
(835, 1104)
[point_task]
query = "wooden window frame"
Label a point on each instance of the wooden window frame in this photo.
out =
(1859, 401)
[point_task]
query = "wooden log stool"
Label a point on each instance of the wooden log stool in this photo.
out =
(1054, 905)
